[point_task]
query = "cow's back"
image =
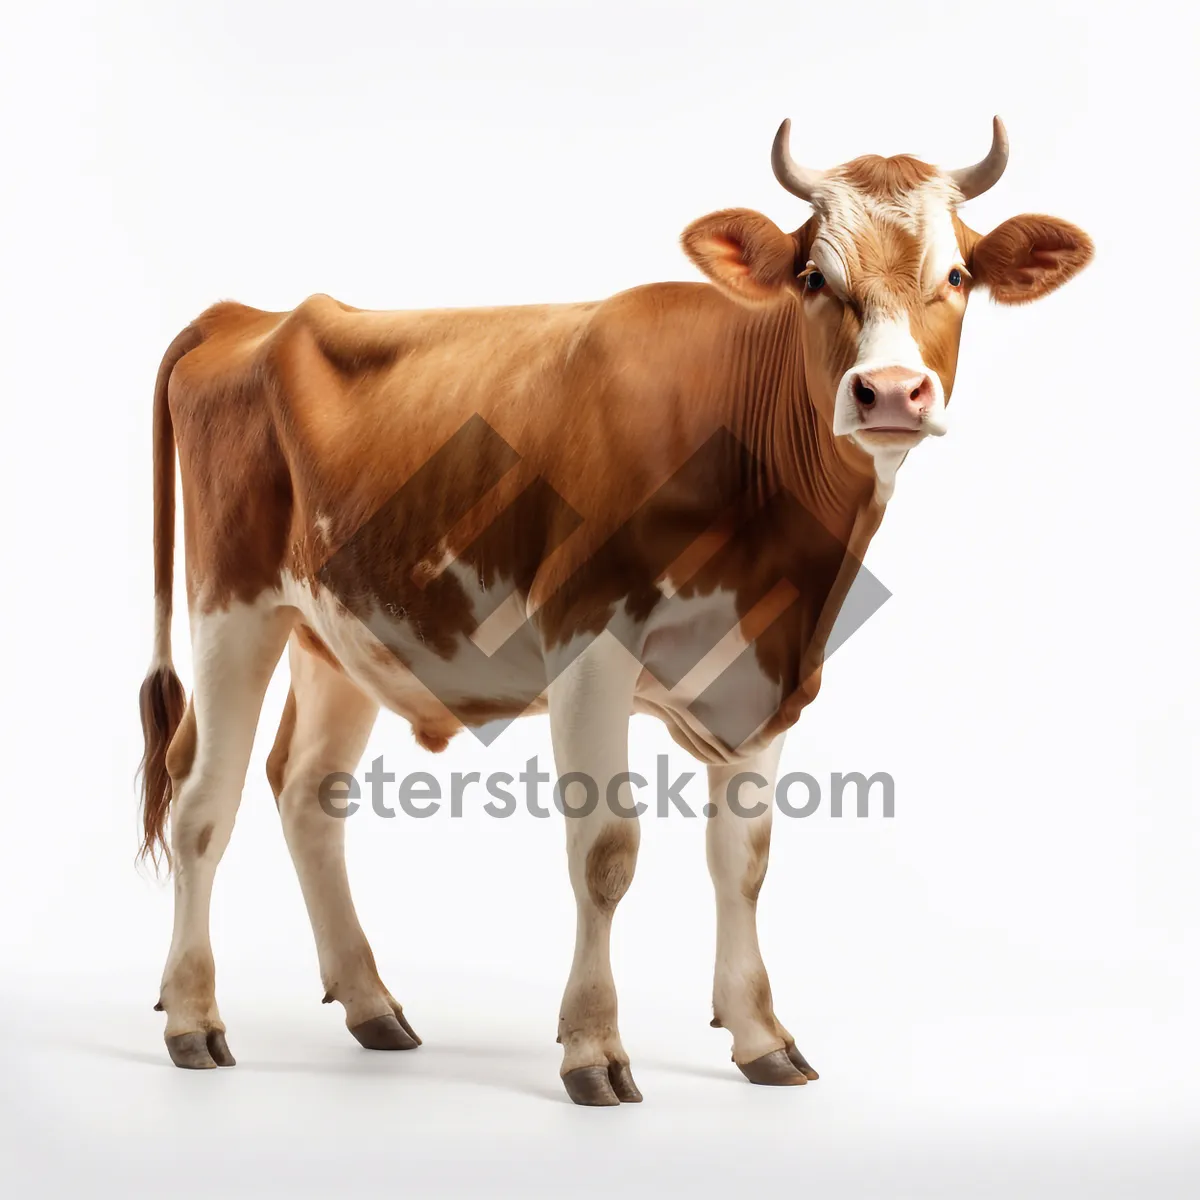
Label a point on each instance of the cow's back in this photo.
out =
(290, 423)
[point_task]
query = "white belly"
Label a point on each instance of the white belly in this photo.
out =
(697, 676)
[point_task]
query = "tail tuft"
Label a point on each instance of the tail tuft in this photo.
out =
(162, 703)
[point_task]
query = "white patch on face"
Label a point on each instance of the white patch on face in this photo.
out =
(941, 249)
(844, 211)
(886, 340)
(828, 260)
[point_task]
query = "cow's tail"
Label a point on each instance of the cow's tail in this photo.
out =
(162, 698)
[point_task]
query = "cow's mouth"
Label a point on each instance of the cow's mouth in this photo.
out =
(890, 434)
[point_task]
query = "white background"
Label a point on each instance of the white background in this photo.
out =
(999, 986)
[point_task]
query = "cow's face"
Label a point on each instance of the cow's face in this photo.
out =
(881, 274)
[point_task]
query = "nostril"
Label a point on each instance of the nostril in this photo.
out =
(922, 394)
(862, 393)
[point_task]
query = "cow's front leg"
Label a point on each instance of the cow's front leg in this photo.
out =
(739, 837)
(590, 704)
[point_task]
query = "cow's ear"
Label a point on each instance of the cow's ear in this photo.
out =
(1029, 256)
(744, 253)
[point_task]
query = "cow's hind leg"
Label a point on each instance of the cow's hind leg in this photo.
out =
(589, 718)
(739, 835)
(324, 731)
(234, 652)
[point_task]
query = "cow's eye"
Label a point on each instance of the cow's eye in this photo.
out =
(955, 277)
(814, 281)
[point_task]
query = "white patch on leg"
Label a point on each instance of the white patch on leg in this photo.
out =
(590, 703)
(734, 842)
(234, 653)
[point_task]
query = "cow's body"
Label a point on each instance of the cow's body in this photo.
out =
(568, 500)
(643, 504)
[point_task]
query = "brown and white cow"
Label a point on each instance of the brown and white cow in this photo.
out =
(466, 515)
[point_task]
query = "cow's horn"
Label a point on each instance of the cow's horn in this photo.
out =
(974, 181)
(800, 181)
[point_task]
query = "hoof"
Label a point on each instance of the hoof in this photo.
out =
(602, 1087)
(386, 1033)
(622, 1083)
(800, 1062)
(775, 1069)
(412, 1033)
(200, 1051)
(218, 1047)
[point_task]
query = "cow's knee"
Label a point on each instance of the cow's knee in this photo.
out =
(610, 864)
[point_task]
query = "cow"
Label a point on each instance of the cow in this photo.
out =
(469, 515)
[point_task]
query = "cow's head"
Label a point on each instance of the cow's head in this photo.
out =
(882, 272)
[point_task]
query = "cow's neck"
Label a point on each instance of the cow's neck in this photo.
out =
(768, 407)
(759, 393)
